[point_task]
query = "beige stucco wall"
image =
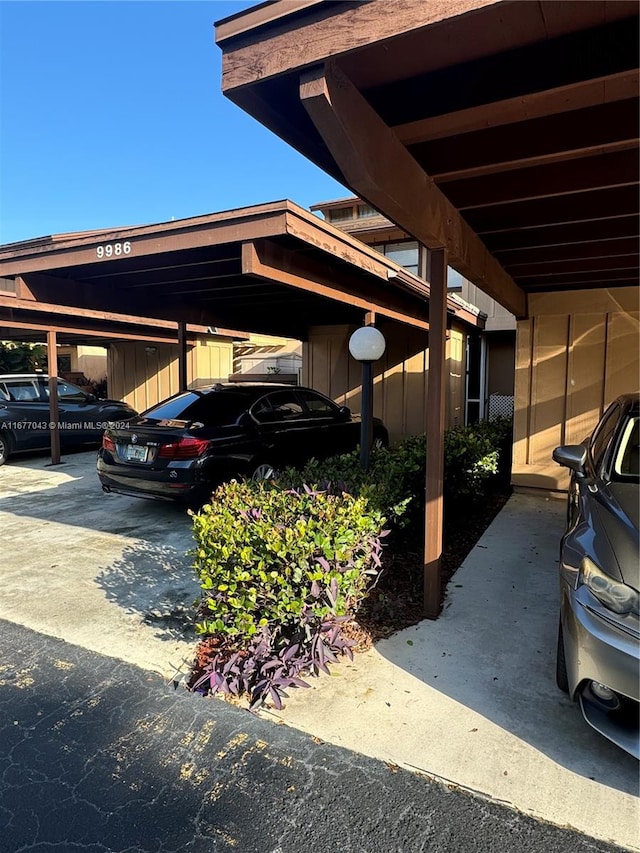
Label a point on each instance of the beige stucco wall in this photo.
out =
(143, 374)
(89, 360)
(576, 353)
(400, 377)
(92, 361)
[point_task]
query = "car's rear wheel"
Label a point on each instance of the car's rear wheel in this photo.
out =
(5, 446)
(263, 471)
(562, 679)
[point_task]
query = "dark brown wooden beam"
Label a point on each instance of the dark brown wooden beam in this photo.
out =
(47, 288)
(543, 160)
(7, 323)
(548, 236)
(561, 99)
(570, 251)
(511, 71)
(326, 32)
(622, 168)
(270, 261)
(599, 278)
(435, 426)
(69, 251)
(555, 138)
(335, 243)
(577, 265)
(112, 322)
(182, 357)
(577, 207)
(378, 168)
(412, 36)
(54, 409)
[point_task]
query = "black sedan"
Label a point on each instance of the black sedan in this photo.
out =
(598, 661)
(24, 414)
(184, 447)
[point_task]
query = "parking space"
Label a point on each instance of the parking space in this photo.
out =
(106, 572)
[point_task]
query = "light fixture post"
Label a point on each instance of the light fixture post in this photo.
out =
(366, 424)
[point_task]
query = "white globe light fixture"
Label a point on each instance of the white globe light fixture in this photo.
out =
(366, 345)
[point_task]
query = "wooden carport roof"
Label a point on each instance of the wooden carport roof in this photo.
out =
(501, 134)
(273, 268)
(506, 132)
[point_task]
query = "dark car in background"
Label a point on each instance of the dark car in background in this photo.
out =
(184, 447)
(598, 657)
(24, 414)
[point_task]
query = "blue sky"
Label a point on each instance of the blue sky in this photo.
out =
(111, 114)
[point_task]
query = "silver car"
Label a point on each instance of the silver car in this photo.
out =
(598, 659)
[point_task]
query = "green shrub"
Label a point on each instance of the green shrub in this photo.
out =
(395, 481)
(267, 557)
(470, 460)
(384, 485)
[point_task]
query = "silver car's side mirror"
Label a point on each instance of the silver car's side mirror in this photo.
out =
(571, 456)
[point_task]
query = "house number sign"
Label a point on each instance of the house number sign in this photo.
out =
(113, 250)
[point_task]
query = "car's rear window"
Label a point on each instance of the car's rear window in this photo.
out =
(21, 390)
(212, 409)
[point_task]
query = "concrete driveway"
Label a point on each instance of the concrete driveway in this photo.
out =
(469, 699)
(105, 572)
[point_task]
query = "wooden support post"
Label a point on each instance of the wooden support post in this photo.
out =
(54, 411)
(434, 510)
(182, 356)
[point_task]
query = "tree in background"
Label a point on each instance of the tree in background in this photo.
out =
(22, 358)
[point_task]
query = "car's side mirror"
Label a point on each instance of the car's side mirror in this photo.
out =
(571, 456)
(90, 398)
(345, 413)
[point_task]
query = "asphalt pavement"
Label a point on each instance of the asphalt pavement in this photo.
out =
(101, 756)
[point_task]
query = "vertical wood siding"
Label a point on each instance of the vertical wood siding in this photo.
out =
(400, 377)
(143, 378)
(575, 354)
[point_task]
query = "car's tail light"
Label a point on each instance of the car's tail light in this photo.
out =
(186, 448)
(108, 443)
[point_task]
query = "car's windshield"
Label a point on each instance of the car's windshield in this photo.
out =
(212, 409)
(65, 389)
(626, 463)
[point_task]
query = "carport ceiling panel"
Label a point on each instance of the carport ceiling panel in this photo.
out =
(569, 234)
(172, 271)
(558, 169)
(544, 65)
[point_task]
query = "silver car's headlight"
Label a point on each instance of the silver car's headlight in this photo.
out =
(613, 594)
